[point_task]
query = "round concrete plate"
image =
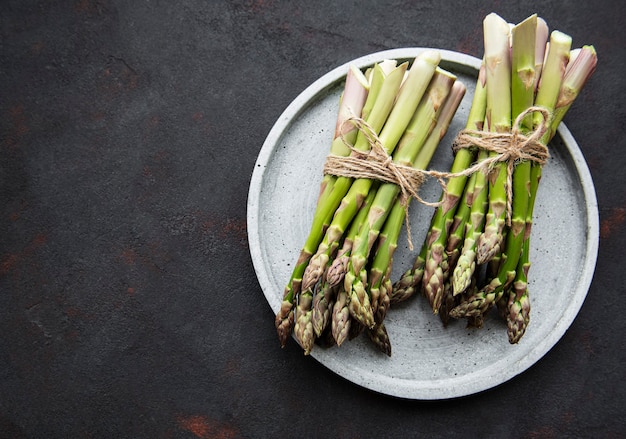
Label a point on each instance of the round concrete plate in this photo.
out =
(428, 361)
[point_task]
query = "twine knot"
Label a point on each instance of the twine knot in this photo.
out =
(377, 164)
(509, 147)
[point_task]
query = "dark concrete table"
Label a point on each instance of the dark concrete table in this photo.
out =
(129, 306)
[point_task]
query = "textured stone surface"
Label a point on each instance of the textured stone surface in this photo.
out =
(129, 306)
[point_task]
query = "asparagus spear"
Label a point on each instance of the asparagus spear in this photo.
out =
(383, 258)
(518, 303)
(547, 94)
(577, 73)
(458, 230)
(353, 99)
(379, 336)
(459, 224)
(341, 195)
(463, 272)
(498, 68)
(410, 281)
(576, 76)
(518, 292)
(433, 279)
(541, 38)
(377, 113)
(417, 131)
(324, 297)
(405, 104)
(340, 323)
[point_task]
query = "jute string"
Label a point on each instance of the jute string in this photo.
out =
(510, 148)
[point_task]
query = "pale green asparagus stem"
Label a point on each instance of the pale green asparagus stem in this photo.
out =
(518, 303)
(325, 295)
(498, 116)
(406, 102)
(417, 131)
(460, 223)
(463, 272)
(413, 278)
(541, 39)
(336, 202)
(552, 77)
(433, 277)
(576, 76)
(354, 99)
(547, 94)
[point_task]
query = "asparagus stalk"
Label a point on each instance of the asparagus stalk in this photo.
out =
(403, 109)
(576, 76)
(408, 148)
(547, 94)
(459, 224)
(498, 68)
(324, 297)
(516, 309)
(376, 113)
(410, 281)
(552, 76)
(436, 258)
(458, 230)
(354, 100)
(383, 258)
(518, 303)
(578, 71)
(541, 38)
(341, 322)
(340, 194)
(523, 73)
(465, 267)
(379, 336)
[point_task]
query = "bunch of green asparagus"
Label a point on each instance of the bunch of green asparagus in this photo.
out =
(340, 285)
(476, 253)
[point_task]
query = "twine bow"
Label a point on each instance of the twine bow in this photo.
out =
(510, 147)
(377, 164)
